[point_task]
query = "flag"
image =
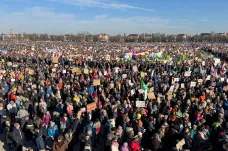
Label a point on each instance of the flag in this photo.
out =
(223, 69)
(134, 57)
(212, 70)
(144, 86)
(155, 78)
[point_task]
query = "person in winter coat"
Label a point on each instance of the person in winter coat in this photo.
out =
(155, 142)
(46, 118)
(40, 144)
(53, 130)
(12, 108)
(18, 136)
(134, 146)
(59, 144)
(8, 135)
(22, 112)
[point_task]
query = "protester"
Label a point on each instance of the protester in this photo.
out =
(111, 96)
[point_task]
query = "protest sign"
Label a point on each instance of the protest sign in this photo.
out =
(187, 73)
(96, 82)
(135, 68)
(200, 80)
(9, 63)
(86, 71)
(193, 84)
(151, 95)
(180, 144)
(170, 96)
(124, 76)
(55, 60)
(53, 75)
(182, 85)
(203, 63)
(225, 88)
(64, 71)
(140, 104)
(31, 71)
(91, 106)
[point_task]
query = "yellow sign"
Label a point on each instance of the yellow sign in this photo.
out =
(96, 82)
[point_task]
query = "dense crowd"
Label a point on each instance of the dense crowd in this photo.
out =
(62, 96)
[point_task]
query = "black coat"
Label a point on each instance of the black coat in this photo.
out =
(18, 136)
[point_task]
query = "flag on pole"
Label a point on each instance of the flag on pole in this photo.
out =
(144, 86)
(223, 69)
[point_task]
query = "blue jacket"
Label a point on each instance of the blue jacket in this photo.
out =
(40, 143)
(53, 131)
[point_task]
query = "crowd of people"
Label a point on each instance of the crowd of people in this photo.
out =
(63, 96)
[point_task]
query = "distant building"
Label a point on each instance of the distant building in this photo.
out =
(103, 37)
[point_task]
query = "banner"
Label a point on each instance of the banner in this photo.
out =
(91, 106)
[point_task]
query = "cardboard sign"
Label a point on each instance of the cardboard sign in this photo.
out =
(182, 85)
(56, 65)
(225, 88)
(140, 104)
(151, 95)
(96, 82)
(9, 63)
(86, 71)
(64, 71)
(164, 73)
(91, 106)
(135, 68)
(53, 75)
(180, 144)
(55, 60)
(76, 70)
(31, 71)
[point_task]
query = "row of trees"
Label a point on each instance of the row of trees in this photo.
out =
(120, 38)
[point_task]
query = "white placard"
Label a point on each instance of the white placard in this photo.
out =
(64, 71)
(193, 84)
(208, 77)
(187, 73)
(140, 104)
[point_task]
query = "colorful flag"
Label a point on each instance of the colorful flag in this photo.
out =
(144, 86)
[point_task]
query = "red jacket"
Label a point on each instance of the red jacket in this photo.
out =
(134, 146)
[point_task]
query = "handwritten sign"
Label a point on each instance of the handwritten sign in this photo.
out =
(9, 63)
(135, 68)
(55, 60)
(140, 104)
(86, 71)
(31, 71)
(96, 82)
(91, 106)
